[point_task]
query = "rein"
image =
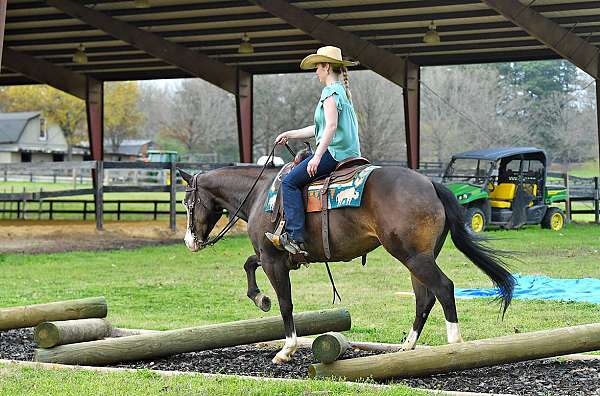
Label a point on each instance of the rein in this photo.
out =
(232, 218)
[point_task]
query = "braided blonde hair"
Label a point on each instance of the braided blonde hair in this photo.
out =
(343, 70)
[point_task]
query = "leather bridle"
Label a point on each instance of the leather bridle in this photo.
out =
(193, 189)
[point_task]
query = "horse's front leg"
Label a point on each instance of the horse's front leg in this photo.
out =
(279, 275)
(261, 300)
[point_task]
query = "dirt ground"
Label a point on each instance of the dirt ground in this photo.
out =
(51, 236)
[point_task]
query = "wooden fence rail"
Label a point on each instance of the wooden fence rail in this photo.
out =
(98, 170)
(46, 209)
(579, 189)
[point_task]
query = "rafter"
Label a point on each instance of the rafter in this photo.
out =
(562, 41)
(195, 63)
(377, 59)
(46, 73)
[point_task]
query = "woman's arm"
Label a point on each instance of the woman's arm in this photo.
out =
(331, 124)
(303, 133)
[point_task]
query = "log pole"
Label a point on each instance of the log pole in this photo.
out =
(329, 347)
(165, 343)
(50, 334)
(466, 355)
(32, 315)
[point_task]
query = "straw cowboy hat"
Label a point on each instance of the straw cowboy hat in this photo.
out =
(328, 54)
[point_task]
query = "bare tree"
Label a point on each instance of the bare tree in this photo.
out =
(379, 109)
(463, 108)
(201, 117)
(282, 102)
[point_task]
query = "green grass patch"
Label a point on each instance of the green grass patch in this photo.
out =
(586, 169)
(27, 381)
(168, 287)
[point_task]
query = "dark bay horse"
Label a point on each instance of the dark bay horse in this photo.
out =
(401, 210)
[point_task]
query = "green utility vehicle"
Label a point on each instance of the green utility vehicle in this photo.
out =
(505, 187)
(163, 176)
(162, 156)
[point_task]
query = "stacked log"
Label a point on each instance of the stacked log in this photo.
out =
(166, 343)
(32, 315)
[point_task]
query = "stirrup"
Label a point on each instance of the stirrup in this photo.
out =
(275, 240)
(291, 246)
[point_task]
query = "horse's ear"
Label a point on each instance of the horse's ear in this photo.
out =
(186, 176)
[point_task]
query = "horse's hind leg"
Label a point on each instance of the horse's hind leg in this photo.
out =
(424, 268)
(261, 300)
(424, 302)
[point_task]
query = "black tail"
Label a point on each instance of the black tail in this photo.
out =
(471, 245)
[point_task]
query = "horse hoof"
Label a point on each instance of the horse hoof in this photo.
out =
(281, 359)
(263, 302)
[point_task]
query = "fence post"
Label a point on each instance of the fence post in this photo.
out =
(54, 176)
(568, 201)
(51, 210)
(5, 175)
(10, 204)
(40, 202)
(119, 210)
(24, 204)
(99, 195)
(173, 198)
(84, 210)
(596, 201)
(31, 177)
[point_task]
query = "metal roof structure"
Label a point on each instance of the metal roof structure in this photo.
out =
(494, 154)
(201, 38)
(470, 31)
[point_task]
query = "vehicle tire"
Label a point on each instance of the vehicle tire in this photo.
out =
(475, 219)
(554, 219)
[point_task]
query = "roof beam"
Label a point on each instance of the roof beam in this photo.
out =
(46, 73)
(196, 64)
(377, 59)
(562, 41)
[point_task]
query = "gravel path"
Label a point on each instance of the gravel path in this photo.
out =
(545, 377)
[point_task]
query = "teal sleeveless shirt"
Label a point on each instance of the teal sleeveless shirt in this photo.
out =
(345, 142)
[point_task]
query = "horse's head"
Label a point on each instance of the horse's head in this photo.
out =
(202, 210)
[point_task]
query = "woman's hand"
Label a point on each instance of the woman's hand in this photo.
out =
(313, 164)
(282, 138)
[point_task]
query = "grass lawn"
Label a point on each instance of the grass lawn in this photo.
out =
(168, 287)
(586, 169)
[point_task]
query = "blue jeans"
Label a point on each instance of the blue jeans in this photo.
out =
(293, 204)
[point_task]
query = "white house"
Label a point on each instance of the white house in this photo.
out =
(28, 137)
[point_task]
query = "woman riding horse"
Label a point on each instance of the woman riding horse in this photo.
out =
(336, 132)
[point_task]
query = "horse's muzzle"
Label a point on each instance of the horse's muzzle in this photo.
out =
(191, 242)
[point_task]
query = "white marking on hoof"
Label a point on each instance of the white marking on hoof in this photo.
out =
(453, 333)
(411, 340)
(285, 355)
(280, 358)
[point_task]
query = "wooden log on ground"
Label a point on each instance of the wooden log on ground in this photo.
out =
(466, 355)
(329, 347)
(32, 315)
(165, 343)
(50, 334)
(120, 332)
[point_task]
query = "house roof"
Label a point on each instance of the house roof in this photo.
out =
(128, 146)
(471, 32)
(12, 125)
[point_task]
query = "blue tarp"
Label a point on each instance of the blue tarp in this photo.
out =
(537, 287)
